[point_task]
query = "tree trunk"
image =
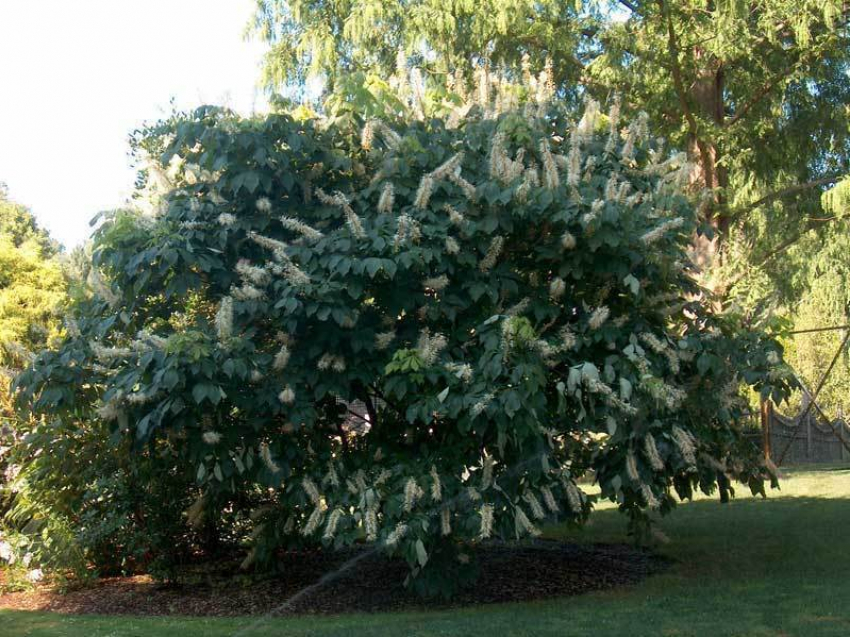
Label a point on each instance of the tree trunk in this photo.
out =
(706, 94)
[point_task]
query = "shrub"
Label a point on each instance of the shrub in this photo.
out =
(420, 335)
(31, 288)
(84, 504)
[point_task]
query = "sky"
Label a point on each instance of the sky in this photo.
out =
(76, 78)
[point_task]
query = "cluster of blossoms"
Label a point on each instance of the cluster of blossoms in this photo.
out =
(437, 283)
(266, 456)
(482, 404)
(685, 444)
(329, 361)
(224, 219)
(408, 230)
(385, 203)
(102, 289)
(340, 201)
(224, 319)
(464, 371)
(212, 437)
(598, 317)
(429, 347)
(492, 255)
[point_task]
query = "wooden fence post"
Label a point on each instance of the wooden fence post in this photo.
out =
(766, 409)
(809, 437)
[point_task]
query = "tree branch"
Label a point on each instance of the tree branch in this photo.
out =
(387, 401)
(760, 95)
(360, 416)
(676, 69)
(784, 192)
(679, 84)
(363, 395)
(782, 247)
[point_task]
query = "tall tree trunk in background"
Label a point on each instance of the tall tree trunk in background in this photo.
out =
(700, 98)
(706, 96)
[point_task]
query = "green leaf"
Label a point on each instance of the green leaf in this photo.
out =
(589, 371)
(617, 484)
(208, 391)
(706, 362)
(421, 553)
(373, 266)
(632, 283)
(573, 379)
(170, 378)
(251, 180)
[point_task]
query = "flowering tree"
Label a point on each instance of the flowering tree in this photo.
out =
(420, 334)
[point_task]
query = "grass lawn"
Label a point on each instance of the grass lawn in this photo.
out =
(753, 567)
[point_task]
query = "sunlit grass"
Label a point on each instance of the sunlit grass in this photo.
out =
(779, 566)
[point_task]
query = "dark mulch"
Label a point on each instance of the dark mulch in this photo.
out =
(539, 570)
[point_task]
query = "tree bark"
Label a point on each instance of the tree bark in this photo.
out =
(706, 96)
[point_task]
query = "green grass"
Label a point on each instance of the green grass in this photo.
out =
(774, 567)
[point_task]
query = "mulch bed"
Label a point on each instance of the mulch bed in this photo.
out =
(509, 573)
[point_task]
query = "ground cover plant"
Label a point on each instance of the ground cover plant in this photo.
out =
(417, 331)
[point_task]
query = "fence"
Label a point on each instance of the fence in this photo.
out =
(808, 437)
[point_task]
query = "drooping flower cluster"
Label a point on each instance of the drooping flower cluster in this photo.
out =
(299, 227)
(492, 255)
(598, 317)
(685, 445)
(429, 347)
(486, 514)
(341, 201)
(224, 319)
(651, 453)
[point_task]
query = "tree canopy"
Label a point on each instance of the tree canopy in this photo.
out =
(755, 92)
(31, 283)
(417, 332)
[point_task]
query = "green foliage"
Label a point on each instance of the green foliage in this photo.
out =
(421, 334)
(86, 506)
(825, 271)
(756, 93)
(761, 108)
(31, 284)
(334, 39)
(31, 288)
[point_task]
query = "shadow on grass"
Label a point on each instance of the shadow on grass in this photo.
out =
(745, 538)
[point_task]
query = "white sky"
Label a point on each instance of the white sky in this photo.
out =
(76, 77)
